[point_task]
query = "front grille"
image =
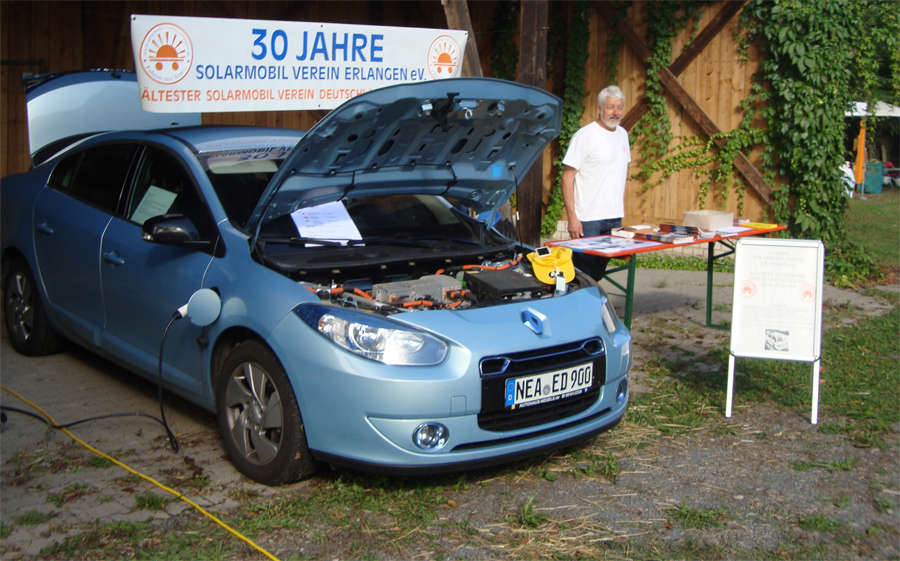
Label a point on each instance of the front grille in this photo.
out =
(496, 370)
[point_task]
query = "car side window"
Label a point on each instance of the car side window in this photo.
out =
(100, 175)
(62, 175)
(161, 186)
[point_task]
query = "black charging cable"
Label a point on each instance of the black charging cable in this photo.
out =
(162, 411)
(46, 421)
(173, 441)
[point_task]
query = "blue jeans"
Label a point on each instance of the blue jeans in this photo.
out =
(594, 265)
(600, 227)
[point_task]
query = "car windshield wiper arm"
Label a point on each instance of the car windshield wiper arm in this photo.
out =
(304, 241)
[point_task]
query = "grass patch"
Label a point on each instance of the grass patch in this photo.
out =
(589, 464)
(101, 462)
(151, 501)
(410, 503)
(70, 494)
(838, 502)
(33, 518)
(875, 224)
(656, 260)
(882, 504)
(846, 465)
(859, 395)
(529, 519)
(861, 386)
(821, 524)
(143, 540)
(696, 518)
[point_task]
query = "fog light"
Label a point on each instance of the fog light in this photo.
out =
(622, 390)
(431, 436)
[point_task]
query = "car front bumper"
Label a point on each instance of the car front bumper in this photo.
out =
(364, 414)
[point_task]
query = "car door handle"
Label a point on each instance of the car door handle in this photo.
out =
(113, 257)
(44, 228)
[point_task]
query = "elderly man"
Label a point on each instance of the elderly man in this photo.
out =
(594, 174)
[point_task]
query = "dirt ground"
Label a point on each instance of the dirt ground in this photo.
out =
(729, 490)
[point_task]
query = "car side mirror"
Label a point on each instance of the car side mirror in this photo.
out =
(172, 229)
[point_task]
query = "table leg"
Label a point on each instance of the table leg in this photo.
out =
(629, 292)
(628, 288)
(710, 262)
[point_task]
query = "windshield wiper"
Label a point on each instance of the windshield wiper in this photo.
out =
(311, 241)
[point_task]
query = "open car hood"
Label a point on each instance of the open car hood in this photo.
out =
(75, 104)
(468, 139)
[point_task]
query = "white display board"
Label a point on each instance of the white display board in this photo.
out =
(777, 304)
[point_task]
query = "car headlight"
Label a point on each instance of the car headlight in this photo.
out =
(610, 318)
(374, 337)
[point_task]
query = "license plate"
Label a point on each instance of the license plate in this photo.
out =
(549, 386)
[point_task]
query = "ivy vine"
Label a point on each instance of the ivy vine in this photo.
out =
(811, 52)
(614, 41)
(505, 49)
(653, 132)
(578, 34)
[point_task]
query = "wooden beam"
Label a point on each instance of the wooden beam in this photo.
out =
(218, 9)
(457, 12)
(715, 25)
(670, 81)
(532, 71)
(743, 165)
(687, 56)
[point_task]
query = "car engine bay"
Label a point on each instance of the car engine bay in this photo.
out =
(459, 287)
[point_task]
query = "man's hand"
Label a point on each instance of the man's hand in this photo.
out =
(574, 227)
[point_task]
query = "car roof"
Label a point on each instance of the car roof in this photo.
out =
(218, 138)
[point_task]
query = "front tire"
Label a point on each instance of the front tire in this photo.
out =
(259, 417)
(26, 322)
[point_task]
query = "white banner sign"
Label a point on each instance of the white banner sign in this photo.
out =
(218, 65)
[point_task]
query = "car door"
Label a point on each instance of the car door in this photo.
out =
(70, 217)
(144, 283)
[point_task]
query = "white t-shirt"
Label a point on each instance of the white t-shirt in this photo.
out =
(601, 157)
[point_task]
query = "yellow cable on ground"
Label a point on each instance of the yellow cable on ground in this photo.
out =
(148, 478)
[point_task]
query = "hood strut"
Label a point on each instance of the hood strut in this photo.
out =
(441, 116)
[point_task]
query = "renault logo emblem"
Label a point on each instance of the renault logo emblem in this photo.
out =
(534, 321)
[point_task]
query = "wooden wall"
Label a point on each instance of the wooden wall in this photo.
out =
(42, 36)
(716, 79)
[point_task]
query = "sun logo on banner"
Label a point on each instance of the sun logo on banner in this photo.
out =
(166, 53)
(807, 293)
(443, 57)
(748, 289)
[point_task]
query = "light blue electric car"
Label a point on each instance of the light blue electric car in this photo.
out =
(341, 304)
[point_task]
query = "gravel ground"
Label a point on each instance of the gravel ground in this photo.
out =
(726, 490)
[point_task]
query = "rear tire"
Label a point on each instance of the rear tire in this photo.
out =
(259, 417)
(26, 322)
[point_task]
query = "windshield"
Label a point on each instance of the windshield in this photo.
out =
(370, 219)
(240, 177)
